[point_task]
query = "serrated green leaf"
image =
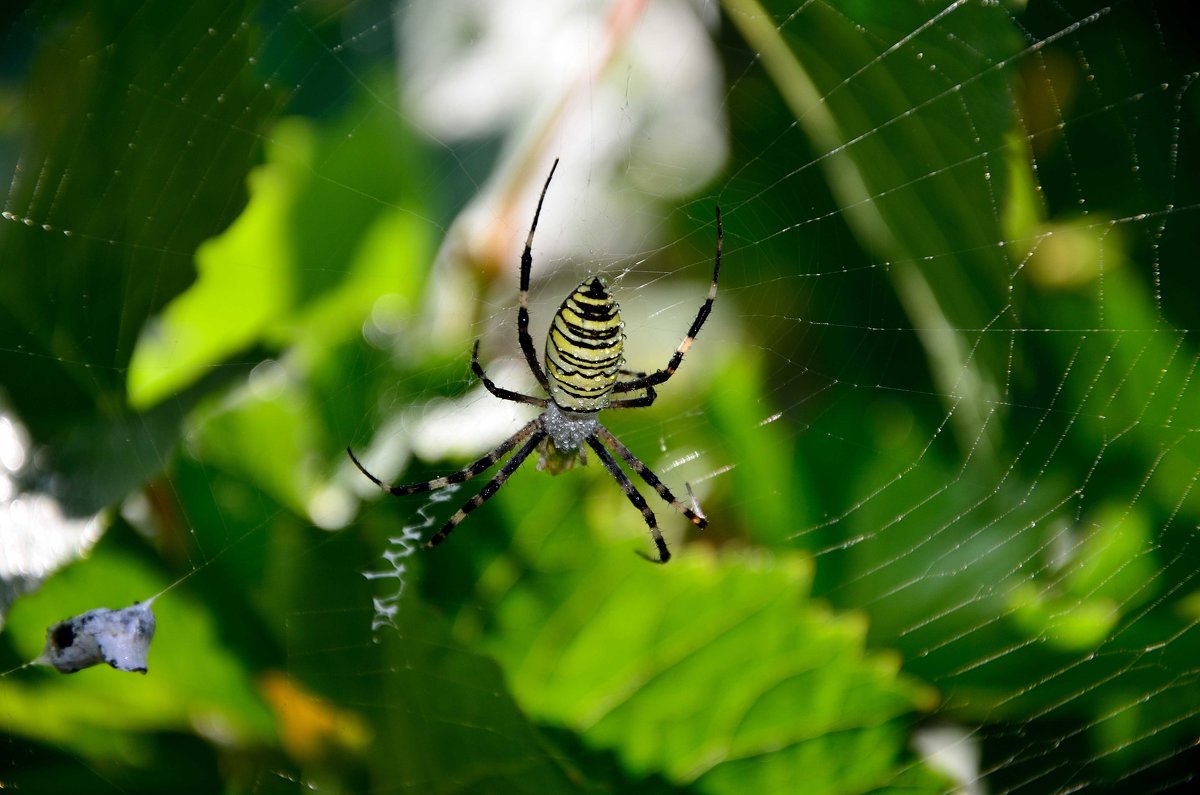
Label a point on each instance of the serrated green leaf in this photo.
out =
(704, 663)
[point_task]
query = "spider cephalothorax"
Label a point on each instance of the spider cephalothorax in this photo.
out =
(584, 358)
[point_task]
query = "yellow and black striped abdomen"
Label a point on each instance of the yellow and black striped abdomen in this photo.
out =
(584, 348)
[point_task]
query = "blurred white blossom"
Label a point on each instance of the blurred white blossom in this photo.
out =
(635, 120)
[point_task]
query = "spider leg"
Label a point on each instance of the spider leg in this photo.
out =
(523, 311)
(500, 392)
(659, 376)
(461, 475)
(637, 499)
(635, 403)
(490, 488)
(647, 475)
(638, 402)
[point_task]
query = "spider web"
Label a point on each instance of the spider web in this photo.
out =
(942, 420)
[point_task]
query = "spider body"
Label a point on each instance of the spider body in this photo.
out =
(584, 354)
(584, 358)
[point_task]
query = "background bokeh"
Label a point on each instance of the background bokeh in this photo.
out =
(943, 420)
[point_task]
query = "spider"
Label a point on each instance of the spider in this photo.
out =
(583, 374)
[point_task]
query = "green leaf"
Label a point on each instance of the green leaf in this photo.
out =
(267, 434)
(243, 283)
(452, 726)
(304, 263)
(910, 184)
(712, 670)
(775, 501)
(1116, 560)
(127, 185)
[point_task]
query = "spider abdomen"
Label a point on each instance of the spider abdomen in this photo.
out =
(584, 348)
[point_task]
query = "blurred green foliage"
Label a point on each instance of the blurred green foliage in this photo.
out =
(181, 327)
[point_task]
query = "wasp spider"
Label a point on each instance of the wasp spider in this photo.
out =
(583, 374)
